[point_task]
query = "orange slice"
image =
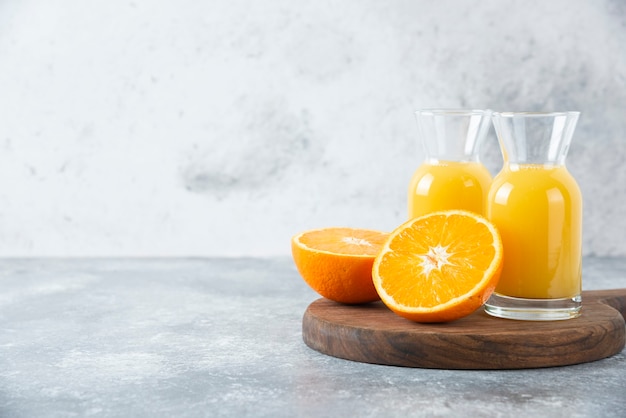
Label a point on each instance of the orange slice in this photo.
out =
(337, 262)
(439, 267)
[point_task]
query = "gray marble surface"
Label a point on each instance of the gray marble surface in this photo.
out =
(222, 337)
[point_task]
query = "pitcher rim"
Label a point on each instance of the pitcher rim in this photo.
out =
(510, 114)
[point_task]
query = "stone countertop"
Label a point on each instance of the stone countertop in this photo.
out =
(222, 337)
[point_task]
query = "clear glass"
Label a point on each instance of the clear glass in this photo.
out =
(537, 206)
(451, 177)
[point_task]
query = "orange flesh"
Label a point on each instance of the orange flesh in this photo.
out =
(447, 261)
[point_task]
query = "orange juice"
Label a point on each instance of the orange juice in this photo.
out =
(538, 211)
(442, 185)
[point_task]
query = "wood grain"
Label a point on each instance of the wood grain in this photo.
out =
(371, 333)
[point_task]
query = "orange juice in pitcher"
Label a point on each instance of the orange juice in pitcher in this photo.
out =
(537, 207)
(451, 176)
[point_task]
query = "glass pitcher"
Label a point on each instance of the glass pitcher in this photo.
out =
(536, 205)
(451, 177)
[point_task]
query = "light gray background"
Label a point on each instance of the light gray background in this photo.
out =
(154, 127)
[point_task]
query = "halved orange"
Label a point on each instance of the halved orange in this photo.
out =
(337, 262)
(439, 267)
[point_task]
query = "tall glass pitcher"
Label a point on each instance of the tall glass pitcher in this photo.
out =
(452, 176)
(537, 206)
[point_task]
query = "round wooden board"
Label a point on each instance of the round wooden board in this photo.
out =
(371, 333)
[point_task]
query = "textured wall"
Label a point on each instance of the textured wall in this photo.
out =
(223, 127)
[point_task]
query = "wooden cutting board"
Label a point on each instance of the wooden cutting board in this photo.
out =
(371, 333)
